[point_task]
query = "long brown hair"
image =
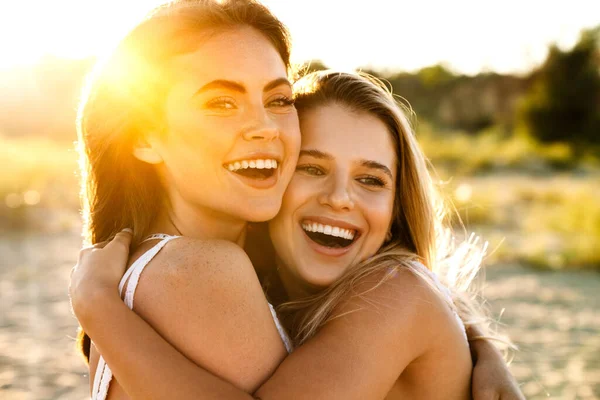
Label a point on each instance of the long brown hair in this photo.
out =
(123, 101)
(419, 233)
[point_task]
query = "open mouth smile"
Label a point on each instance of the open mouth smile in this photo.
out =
(330, 236)
(257, 169)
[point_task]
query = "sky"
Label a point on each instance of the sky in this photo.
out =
(469, 36)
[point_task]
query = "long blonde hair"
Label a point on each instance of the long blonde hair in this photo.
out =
(123, 101)
(419, 232)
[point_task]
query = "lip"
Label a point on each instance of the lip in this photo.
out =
(256, 183)
(332, 222)
(328, 251)
(256, 156)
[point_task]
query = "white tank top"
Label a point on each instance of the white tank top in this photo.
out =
(103, 374)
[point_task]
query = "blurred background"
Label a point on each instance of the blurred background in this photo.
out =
(507, 103)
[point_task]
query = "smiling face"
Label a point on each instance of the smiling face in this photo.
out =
(231, 136)
(338, 207)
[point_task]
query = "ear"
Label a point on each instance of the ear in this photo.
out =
(144, 151)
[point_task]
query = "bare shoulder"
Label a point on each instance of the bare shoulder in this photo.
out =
(186, 256)
(399, 304)
(196, 294)
(382, 324)
(394, 295)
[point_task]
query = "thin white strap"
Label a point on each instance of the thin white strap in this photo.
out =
(103, 374)
(156, 236)
(145, 257)
(138, 269)
(98, 377)
(284, 336)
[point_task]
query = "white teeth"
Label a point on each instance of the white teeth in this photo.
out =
(329, 230)
(258, 164)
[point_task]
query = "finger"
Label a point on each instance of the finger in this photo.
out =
(98, 245)
(122, 238)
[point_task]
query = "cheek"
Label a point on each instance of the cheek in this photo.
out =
(290, 137)
(298, 193)
(290, 130)
(379, 217)
(282, 226)
(194, 131)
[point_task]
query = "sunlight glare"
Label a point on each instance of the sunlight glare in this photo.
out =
(71, 29)
(469, 36)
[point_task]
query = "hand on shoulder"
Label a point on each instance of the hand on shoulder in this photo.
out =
(204, 297)
(97, 274)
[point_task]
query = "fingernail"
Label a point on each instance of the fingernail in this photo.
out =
(128, 230)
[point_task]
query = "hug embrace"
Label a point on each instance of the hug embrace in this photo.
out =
(258, 235)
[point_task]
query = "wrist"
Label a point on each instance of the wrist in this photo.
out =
(483, 349)
(89, 301)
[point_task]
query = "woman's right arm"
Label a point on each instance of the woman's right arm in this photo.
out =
(174, 376)
(204, 301)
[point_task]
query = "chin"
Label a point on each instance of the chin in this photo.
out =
(262, 213)
(319, 281)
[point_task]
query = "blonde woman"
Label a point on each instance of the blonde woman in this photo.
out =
(356, 246)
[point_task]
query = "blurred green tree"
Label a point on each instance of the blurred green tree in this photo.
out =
(563, 102)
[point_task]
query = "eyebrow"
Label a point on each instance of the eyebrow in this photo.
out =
(316, 154)
(377, 165)
(277, 82)
(238, 87)
(365, 163)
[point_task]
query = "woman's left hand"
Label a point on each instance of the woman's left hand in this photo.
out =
(98, 272)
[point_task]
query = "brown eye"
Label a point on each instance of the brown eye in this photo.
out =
(221, 103)
(282, 102)
(371, 181)
(310, 170)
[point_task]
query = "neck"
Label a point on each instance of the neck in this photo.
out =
(294, 287)
(181, 218)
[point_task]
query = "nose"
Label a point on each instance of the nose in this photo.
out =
(261, 127)
(337, 195)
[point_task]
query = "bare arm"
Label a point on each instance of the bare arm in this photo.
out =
(491, 376)
(165, 373)
(215, 313)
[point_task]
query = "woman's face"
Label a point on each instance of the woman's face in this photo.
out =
(338, 207)
(232, 135)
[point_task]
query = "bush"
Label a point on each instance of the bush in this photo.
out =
(563, 103)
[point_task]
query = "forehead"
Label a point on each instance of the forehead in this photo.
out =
(241, 54)
(347, 135)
